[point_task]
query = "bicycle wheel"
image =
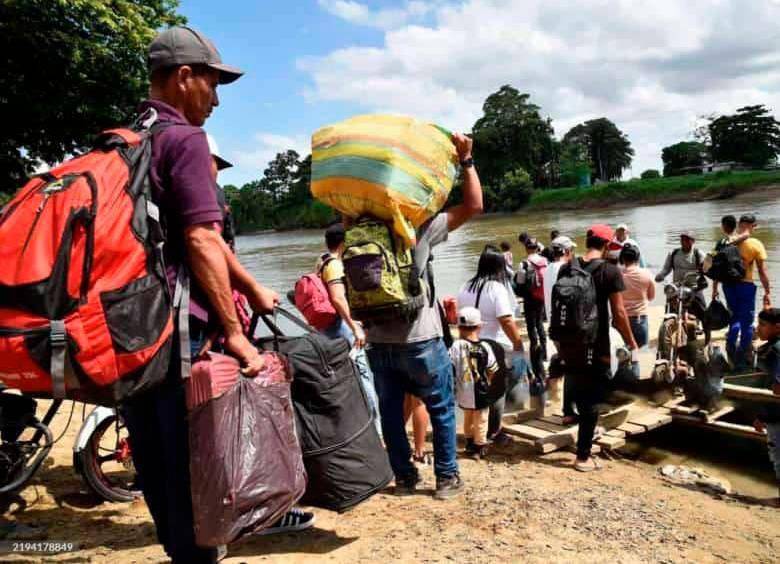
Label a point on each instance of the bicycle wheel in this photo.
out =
(106, 462)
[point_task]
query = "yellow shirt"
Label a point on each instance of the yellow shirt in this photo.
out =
(751, 250)
(333, 271)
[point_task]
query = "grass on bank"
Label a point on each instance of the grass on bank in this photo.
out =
(648, 190)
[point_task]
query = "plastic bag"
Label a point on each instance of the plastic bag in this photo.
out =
(393, 168)
(717, 316)
(246, 468)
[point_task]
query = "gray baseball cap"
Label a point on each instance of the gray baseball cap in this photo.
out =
(185, 46)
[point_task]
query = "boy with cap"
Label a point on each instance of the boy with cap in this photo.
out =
(741, 296)
(769, 362)
(587, 368)
(185, 70)
(475, 366)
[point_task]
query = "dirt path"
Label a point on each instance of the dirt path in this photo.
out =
(517, 507)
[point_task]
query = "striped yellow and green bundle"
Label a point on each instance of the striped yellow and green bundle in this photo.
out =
(393, 168)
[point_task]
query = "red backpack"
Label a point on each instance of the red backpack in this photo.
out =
(85, 310)
(312, 298)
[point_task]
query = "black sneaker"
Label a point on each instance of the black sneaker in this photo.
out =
(407, 485)
(292, 521)
(448, 487)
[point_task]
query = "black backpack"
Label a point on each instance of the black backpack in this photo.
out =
(486, 393)
(574, 319)
(727, 265)
(524, 279)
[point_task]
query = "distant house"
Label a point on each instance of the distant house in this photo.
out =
(710, 168)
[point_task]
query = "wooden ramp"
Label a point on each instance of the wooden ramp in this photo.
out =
(548, 433)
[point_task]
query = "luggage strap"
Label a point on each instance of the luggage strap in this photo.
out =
(181, 304)
(58, 338)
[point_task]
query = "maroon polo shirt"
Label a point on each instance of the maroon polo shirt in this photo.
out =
(183, 188)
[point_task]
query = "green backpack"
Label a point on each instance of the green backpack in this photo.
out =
(383, 280)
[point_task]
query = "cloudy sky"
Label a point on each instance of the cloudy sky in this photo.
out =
(652, 66)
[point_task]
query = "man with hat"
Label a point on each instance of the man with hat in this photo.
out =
(741, 296)
(185, 70)
(682, 260)
(620, 239)
(587, 365)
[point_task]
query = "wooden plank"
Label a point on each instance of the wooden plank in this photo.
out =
(557, 419)
(715, 415)
(630, 429)
(555, 442)
(519, 416)
(610, 443)
(547, 426)
(676, 402)
(526, 432)
(650, 419)
(749, 393)
(616, 433)
(722, 427)
(684, 409)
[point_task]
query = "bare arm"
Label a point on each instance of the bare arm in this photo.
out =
(209, 266)
(510, 329)
(763, 274)
(665, 270)
(651, 291)
(472, 188)
(621, 319)
(338, 297)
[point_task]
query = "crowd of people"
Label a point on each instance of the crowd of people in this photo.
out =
(408, 367)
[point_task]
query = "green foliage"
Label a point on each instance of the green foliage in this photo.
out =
(609, 149)
(512, 134)
(677, 188)
(280, 200)
(681, 156)
(71, 69)
(574, 163)
(650, 173)
(751, 136)
(515, 191)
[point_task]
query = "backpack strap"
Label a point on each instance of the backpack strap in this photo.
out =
(60, 363)
(181, 303)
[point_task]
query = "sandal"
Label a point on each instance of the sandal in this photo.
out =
(589, 465)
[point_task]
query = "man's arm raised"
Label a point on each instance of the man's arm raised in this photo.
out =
(472, 188)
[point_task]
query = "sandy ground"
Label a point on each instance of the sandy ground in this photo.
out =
(517, 506)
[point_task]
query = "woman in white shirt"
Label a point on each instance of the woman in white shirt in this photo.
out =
(488, 291)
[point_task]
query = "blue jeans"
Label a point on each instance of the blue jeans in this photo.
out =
(773, 442)
(741, 299)
(640, 329)
(340, 330)
(423, 370)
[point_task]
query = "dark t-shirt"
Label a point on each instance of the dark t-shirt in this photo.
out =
(183, 188)
(769, 363)
(608, 280)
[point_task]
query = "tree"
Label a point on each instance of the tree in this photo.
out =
(516, 190)
(609, 149)
(71, 68)
(751, 136)
(575, 164)
(511, 134)
(280, 176)
(682, 158)
(650, 173)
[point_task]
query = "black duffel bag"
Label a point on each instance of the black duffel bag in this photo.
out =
(345, 460)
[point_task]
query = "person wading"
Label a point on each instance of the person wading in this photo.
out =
(587, 364)
(412, 357)
(185, 71)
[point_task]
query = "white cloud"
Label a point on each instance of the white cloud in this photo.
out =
(652, 67)
(390, 18)
(265, 147)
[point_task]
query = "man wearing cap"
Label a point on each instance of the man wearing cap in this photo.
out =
(587, 367)
(741, 296)
(682, 260)
(185, 70)
(219, 164)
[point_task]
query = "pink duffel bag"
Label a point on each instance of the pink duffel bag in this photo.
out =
(246, 467)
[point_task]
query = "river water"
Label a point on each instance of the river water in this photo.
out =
(278, 259)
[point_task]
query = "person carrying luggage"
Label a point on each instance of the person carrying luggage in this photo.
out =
(475, 367)
(409, 354)
(586, 290)
(741, 292)
(529, 282)
(331, 271)
(186, 70)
